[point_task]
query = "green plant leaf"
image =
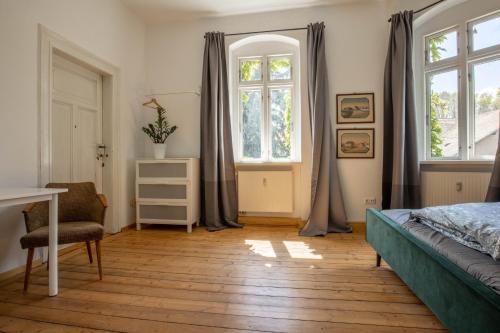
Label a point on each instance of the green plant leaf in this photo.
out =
(160, 129)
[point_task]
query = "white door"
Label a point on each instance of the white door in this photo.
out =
(76, 124)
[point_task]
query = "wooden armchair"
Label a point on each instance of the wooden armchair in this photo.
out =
(81, 219)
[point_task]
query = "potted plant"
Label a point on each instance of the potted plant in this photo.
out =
(159, 131)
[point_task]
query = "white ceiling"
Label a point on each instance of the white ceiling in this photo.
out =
(158, 11)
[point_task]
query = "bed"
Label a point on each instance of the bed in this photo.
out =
(461, 286)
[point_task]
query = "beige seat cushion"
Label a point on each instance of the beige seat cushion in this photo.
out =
(69, 232)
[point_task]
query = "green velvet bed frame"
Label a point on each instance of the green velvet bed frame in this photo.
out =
(460, 301)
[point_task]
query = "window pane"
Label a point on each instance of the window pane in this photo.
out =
(486, 108)
(486, 34)
(280, 68)
(250, 70)
(442, 47)
(281, 122)
(444, 115)
(251, 120)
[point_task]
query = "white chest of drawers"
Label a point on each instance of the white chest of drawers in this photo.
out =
(168, 192)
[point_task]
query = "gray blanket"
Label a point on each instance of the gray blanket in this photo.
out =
(476, 225)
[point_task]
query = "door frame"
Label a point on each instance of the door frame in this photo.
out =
(50, 43)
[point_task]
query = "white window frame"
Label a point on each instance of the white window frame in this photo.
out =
(428, 76)
(240, 122)
(266, 85)
(445, 62)
(464, 61)
(251, 82)
(492, 50)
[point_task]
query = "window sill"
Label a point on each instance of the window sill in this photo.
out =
(456, 166)
(267, 163)
(457, 162)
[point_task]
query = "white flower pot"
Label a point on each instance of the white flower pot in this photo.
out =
(159, 150)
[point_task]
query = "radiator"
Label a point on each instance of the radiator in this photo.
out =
(265, 191)
(444, 188)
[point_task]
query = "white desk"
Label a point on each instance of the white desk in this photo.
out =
(19, 196)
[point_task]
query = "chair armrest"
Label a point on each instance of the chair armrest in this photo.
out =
(101, 211)
(36, 215)
(103, 200)
(29, 208)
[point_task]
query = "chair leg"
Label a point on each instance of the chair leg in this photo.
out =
(29, 263)
(379, 258)
(98, 251)
(89, 251)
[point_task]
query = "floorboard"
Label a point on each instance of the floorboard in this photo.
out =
(255, 279)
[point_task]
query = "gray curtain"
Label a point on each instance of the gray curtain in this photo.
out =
(401, 174)
(493, 194)
(219, 205)
(327, 205)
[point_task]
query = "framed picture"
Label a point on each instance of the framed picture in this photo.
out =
(355, 108)
(355, 143)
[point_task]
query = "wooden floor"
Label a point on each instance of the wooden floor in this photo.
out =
(256, 279)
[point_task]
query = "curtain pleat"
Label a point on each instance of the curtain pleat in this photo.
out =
(493, 194)
(327, 204)
(219, 203)
(401, 174)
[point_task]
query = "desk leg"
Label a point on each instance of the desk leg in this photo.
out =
(53, 220)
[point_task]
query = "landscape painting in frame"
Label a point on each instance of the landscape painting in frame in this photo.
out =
(355, 108)
(355, 143)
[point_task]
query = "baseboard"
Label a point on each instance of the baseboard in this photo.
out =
(358, 227)
(272, 221)
(18, 270)
(128, 227)
(7, 275)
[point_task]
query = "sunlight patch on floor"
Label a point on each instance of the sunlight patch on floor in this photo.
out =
(261, 247)
(301, 250)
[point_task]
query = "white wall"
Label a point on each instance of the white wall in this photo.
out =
(356, 40)
(104, 28)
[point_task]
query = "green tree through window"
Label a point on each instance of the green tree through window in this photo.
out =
(496, 103)
(281, 119)
(251, 70)
(484, 102)
(251, 122)
(435, 49)
(436, 130)
(266, 104)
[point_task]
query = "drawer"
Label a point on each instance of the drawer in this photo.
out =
(162, 191)
(163, 170)
(162, 212)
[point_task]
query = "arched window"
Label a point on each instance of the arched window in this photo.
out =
(265, 98)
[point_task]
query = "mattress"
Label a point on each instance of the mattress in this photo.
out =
(479, 265)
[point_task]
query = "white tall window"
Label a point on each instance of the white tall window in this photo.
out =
(462, 74)
(266, 107)
(265, 99)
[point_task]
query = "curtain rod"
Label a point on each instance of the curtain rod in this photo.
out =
(264, 31)
(194, 92)
(422, 9)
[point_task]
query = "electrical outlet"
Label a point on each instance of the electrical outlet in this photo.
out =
(370, 201)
